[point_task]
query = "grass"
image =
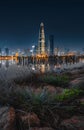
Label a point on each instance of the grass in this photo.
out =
(61, 80)
(69, 94)
(27, 80)
(43, 104)
(29, 100)
(46, 106)
(39, 79)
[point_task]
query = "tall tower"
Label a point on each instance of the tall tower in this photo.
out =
(51, 45)
(6, 51)
(41, 42)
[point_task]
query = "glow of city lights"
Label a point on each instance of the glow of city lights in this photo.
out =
(33, 46)
(31, 50)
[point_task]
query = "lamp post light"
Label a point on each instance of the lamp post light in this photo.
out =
(33, 49)
(33, 52)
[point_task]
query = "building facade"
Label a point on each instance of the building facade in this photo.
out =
(51, 45)
(41, 41)
(0, 51)
(6, 51)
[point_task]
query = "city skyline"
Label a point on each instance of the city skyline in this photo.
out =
(20, 22)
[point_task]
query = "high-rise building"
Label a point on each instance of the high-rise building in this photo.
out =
(0, 51)
(6, 51)
(41, 42)
(51, 45)
(35, 49)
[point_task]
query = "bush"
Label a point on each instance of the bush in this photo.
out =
(29, 100)
(28, 79)
(60, 80)
(69, 94)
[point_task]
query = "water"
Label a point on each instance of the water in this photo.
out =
(42, 67)
(7, 63)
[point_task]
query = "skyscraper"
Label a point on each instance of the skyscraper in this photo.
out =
(6, 51)
(35, 49)
(51, 45)
(0, 51)
(41, 42)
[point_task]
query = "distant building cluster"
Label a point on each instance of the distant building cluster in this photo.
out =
(4, 52)
(41, 48)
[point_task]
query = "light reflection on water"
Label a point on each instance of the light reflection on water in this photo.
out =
(40, 67)
(6, 63)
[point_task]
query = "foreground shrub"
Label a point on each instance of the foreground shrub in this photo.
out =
(60, 80)
(29, 100)
(69, 94)
(28, 79)
(47, 107)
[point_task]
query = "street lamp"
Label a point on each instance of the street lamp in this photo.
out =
(33, 49)
(33, 52)
(33, 46)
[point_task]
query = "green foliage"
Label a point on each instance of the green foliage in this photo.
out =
(60, 80)
(68, 94)
(30, 100)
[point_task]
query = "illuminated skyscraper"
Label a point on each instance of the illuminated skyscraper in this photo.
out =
(6, 51)
(41, 42)
(0, 51)
(51, 45)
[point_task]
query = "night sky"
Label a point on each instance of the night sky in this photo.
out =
(20, 21)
